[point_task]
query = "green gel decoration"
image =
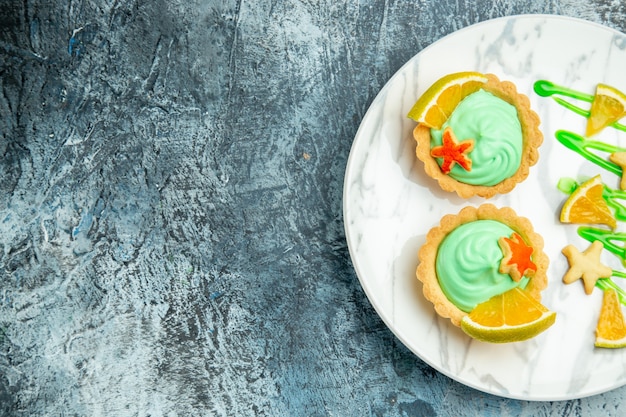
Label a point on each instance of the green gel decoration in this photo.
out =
(607, 238)
(545, 88)
(581, 145)
(567, 185)
(611, 196)
(619, 274)
(606, 283)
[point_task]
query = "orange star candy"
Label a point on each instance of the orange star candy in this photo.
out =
(585, 265)
(516, 261)
(453, 152)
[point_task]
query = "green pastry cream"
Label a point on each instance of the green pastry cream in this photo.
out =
(467, 264)
(495, 127)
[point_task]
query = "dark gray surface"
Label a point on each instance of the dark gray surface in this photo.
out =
(170, 209)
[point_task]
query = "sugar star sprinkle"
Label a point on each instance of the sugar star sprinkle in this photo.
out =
(517, 257)
(453, 152)
(585, 265)
(619, 158)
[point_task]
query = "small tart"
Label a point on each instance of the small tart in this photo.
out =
(531, 137)
(426, 270)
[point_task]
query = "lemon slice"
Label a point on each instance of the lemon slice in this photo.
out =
(611, 328)
(608, 106)
(586, 205)
(512, 316)
(439, 101)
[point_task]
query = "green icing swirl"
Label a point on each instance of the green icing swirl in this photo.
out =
(467, 264)
(498, 143)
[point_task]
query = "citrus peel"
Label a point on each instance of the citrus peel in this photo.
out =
(438, 102)
(608, 106)
(512, 316)
(586, 205)
(611, 328)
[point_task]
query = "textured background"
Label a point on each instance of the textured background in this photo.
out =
(171, 239)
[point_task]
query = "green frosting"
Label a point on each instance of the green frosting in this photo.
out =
(467, 264)
(497, 134)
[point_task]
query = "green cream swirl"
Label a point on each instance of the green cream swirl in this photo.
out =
(467, 264)
(498, 143)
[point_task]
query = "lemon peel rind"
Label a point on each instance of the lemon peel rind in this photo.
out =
(610, 344)
(612, 92)
(599, 120)
(508, 334)
(430, 96)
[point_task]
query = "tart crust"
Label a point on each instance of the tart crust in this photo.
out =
(427, 255)
(531, 135)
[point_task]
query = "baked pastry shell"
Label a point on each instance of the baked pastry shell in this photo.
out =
(426, 270)
(531, 136)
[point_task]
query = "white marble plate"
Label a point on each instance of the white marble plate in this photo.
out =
(390, 204)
